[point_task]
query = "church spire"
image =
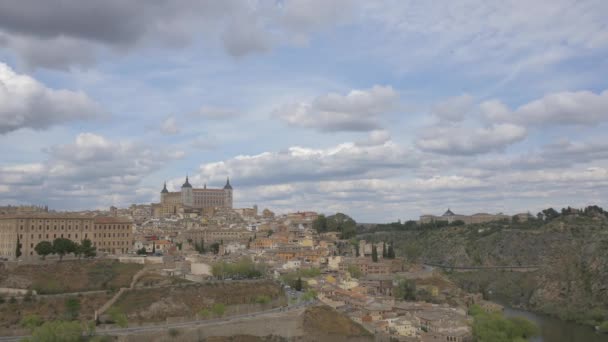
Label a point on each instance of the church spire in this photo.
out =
(227, 186)
(164, 191)
(187, 183)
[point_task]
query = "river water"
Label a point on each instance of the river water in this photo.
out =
(555, 330)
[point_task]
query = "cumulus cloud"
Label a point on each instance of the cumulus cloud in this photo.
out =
(563, 108)
(460, 140)
(377, 137)
(300, 164)
(454, 109)
(27, 103)
(560, 154)
(359, 110)
(81, 30)
(91, 171)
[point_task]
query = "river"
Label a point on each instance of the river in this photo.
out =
(555, 330)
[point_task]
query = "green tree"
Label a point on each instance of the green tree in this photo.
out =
(374, 253)
(55, 331)
(603, 328)
(320, 224)
(142, 251)
(550, 213)
(87, 250)
(384, 253)
(354, 271)
(77, 250)
(153, 247)
(406, 289)
(63, 246)
(44, 248)
(72, 308)
(18, 248)
(298, 286)
(215, 247)
(391, 252)
(495, 327)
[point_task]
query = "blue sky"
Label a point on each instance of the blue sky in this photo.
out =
(384, 110)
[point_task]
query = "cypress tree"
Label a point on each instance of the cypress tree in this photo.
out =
(374, 254)
(18, 249)
(391, 252)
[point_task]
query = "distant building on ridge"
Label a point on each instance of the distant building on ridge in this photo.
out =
(190, 199)
(450, 217)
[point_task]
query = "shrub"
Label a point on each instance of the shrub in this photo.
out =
(118, 317)
(218, 309)
(603, 328)
(205, 313)
(173, 332)
(58, 331)
(31, 322)
(262, 299)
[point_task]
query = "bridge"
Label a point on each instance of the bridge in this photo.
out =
(514, 268)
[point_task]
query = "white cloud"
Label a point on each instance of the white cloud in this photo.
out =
(491, 36)
(376, 137)
(169, 126)
(27, 103)
(75, 33)
(359, 110)
(299, 164)
(460, 140)
(90, 172)
(454, 109)
(580, 107)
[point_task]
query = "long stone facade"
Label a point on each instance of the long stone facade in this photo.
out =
(108, 234)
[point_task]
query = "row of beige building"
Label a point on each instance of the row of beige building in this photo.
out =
(450, 217)
(108, 234)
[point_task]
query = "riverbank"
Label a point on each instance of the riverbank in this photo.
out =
(553, 329)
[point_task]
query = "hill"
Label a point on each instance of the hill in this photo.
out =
(571, 250)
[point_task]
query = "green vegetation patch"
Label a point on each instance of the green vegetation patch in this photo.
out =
(494, 327)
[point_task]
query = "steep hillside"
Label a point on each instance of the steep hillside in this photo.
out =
(572, 252)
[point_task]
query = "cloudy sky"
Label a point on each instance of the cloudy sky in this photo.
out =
(381, 109)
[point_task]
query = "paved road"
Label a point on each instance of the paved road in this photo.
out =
(196, 323)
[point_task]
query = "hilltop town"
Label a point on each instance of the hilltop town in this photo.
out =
(194, 237)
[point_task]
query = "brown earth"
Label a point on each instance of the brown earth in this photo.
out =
(327, 324)
(305, 325)
(70, 276)
(158, 304)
